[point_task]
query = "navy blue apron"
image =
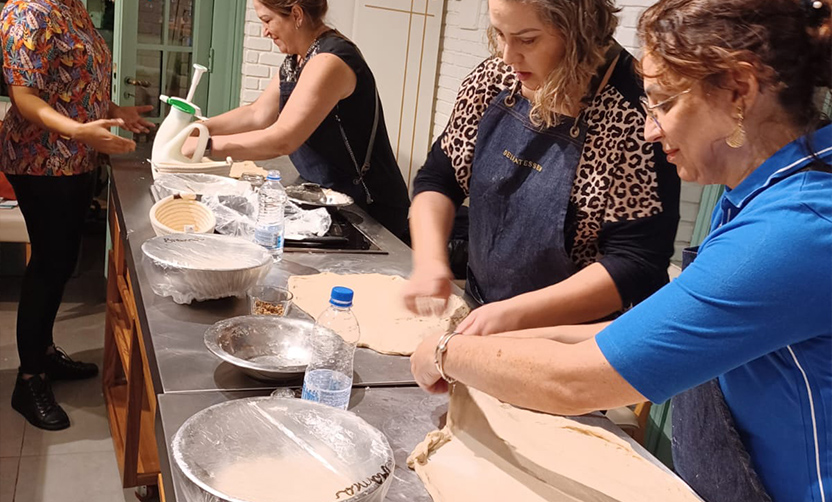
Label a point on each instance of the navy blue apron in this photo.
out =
(520, 190)
(707, 450)
(315, 168)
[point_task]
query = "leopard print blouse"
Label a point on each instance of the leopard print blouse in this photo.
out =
(615, 179)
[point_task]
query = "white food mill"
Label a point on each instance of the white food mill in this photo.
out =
(177, 127)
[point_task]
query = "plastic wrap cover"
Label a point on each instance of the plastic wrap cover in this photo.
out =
(235, 213)
(202, 184)
(236, 216)
(270, 449)
(191, 267)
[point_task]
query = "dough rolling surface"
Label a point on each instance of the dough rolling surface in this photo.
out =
(386, 325)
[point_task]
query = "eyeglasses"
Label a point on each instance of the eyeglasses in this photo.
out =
(648, 108)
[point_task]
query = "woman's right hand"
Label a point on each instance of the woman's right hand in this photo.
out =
(97, 135)
(428, 290)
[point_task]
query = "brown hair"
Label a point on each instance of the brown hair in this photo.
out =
(787, 42)
(315, 9)
(587, 27)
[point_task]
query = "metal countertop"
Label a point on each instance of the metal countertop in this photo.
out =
(173, 333)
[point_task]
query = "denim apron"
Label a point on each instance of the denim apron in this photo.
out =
(315, 168)
(708, 452)
(520, 192)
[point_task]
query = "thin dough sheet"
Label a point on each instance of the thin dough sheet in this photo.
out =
(386, 325)
(491, 451)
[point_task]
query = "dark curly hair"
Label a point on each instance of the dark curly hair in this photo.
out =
(787, 42)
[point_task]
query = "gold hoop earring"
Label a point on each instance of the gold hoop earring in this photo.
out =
(737, 137)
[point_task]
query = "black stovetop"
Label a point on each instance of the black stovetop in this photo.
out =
(343, 237)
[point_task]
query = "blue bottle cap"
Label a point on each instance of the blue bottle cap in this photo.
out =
(341, 296)
(273, 175)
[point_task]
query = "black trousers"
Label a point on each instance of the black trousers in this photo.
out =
(54, 208)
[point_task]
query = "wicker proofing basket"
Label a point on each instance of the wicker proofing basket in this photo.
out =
(181, 213)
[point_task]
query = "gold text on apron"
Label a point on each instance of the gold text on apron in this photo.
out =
(520, 162)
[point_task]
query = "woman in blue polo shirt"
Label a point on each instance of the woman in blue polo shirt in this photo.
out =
(743, 338)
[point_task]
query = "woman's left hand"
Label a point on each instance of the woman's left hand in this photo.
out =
(423, 367)
(132, 117)
(491, 318)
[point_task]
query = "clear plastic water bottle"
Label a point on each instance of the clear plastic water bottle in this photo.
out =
(328, 377)
(268, 231)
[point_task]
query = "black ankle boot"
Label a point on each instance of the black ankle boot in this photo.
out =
(60, 366)
(33, 398)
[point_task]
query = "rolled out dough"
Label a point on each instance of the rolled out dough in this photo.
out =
(492, 451)
(386, 325)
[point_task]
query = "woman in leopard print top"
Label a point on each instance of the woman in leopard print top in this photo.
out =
(573, 213)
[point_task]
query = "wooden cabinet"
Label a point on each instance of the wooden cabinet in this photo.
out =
(128, 388)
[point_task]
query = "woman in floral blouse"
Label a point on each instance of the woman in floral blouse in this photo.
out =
(57, 68)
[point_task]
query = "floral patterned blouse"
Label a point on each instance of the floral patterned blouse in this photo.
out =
(52, 46)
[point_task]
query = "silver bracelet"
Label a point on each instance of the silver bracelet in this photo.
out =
(439, 354)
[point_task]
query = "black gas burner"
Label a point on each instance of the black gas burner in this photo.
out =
(343, 236)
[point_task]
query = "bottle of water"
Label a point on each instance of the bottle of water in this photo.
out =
(268, 231)
(328, 377)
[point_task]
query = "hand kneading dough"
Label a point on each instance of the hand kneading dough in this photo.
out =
(386, 325)
(492, 451)
(299, 479)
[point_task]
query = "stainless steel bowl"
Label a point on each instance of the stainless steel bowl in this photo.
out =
(287, 450)
(263, 347)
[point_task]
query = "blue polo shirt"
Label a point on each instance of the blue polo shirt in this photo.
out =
(755, 310)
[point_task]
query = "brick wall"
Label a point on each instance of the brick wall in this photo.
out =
(261, 59)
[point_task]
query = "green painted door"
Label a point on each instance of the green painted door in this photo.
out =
(158, 41)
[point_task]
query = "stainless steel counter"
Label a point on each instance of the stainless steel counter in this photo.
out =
(404, 415)
(173, 333)
(188, 378)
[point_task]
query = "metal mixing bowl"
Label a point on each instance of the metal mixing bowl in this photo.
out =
(353, 459)
(263, 347)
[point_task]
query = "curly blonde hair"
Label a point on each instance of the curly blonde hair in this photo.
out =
(587, 27)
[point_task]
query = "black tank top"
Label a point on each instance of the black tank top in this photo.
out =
(384, 179)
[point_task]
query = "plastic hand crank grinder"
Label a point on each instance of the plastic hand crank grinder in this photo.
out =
(177, 127)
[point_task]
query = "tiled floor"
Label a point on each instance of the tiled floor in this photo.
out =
(77, 464)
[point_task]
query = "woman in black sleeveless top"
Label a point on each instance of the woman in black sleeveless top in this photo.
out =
(322, 110)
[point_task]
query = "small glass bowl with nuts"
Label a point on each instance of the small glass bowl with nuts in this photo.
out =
(269, 300)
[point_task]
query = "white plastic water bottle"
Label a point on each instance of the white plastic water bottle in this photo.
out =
(268, 231)
(328, 378)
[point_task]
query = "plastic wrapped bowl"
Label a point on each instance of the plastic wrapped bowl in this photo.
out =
(199, 267)
(267, 449)
(263, 347)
